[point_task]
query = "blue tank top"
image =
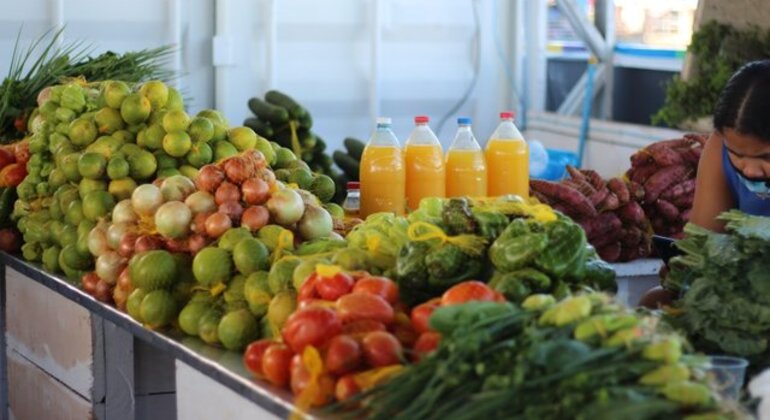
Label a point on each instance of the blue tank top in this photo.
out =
(751, 197)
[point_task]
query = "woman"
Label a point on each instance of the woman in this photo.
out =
(734, 169)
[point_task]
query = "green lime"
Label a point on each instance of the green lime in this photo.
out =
(190, 316)
(122, 188)
(175, 120)
(82, 132)
(57, 178)
(188, 171)
(69, 166)
(164, 160)
(117, 168)
(177, 143)
(175, 101)
(212, 265)
(250, 255)
(136, 128)
(208, 326)
(282, 175)
(135, 108)
(200, 154)
(213, 115)
(284, 157)
(156, 117)
(223, 150)
(97, 204)
(51, 258)
(220, 132)
(88, 185)
(158, 309)
(323, 187)
(108, 120)
(237, 329)
(256, 290)
(263, 145)
(134, 303)
(70, 257)
(142, 164)
(92, 165)
(167, 173)
(232, 237)
(243, 138)
(153, 270)
(68, 235)
(66, 115)
(201, 129)
(74, 212)
(153, 136)
(156, 91)
(114, 92)
(129, 149)
(302, 177)
(124, 136)
(105, 146)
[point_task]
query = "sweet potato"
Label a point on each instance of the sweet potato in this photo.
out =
(597, 197)
(684, 216)
(667, 210)
(673, 143)
(602, 225)
(632, 213)
(640, 158)
(665, 156)
(684, 201)
(617, 186)
(640, 174)
(610, 253)
(691, 155)
(675, 191)
(565, 194)
(575, 173)
(631, 237)
(609, 203)
(636, 190)
(581, 185)
(540, 197)
(662, 179)
(594, 178)
(602, 241)
(659, 225)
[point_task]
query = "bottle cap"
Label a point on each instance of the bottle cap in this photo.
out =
(383, 121)
(464, 121)
(354, 185)
(421, 119)
(507, 115)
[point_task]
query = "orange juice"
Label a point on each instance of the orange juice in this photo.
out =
(424, 159)
(383, 176)
(425, 174)
(466, 174)
(507, 156)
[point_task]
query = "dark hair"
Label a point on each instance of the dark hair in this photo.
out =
(744, 104)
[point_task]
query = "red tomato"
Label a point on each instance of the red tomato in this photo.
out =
(307, 290)
(346, 387)
(343, 355)
(421, 313)
(358, 329)
(252, 357)
(300, 378)
(6, 157)
(468, 291)
(10, 240)
(89, 281)
(426, 344)
(275, 364)
(382, 349)
(306, 303)
(13, 174)
(358, 306)
(378, 286)
(311, 326)
(403, 330)
(332, 288)
(21, 152)
(358, 275)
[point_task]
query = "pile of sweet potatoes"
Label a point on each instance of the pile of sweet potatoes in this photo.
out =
(665, 172)
(608, 210)
(619, 215)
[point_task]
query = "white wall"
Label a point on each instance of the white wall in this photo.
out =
(323, 53)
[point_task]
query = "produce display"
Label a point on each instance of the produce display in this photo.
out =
(608, 211)
(581, 357)
(724, 280)
(662, 177)
(282, 119)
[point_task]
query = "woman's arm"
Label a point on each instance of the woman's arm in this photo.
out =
(712, 194)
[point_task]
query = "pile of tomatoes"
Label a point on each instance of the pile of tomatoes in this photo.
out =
(359, 329)
(13, 163)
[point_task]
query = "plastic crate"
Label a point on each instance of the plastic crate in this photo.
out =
(557, 164)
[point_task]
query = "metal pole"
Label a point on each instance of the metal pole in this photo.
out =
(585, 29)
(605, 22)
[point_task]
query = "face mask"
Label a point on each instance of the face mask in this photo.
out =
(758, 186)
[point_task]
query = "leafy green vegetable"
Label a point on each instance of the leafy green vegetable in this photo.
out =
(718, 50)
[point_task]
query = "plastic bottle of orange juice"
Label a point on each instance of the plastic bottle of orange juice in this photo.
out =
(466, 169)
(507, 160)
(383, 176)
(425, 173)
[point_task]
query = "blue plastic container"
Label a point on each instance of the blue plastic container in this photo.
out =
(557, 164)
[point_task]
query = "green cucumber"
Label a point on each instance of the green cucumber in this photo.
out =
(269, 112)
(278, 98)
(350, 166)
(260, 127)
(355, 147)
